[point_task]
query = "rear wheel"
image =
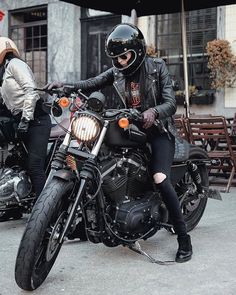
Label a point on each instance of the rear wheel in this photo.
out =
(194, 207)
(40, 245)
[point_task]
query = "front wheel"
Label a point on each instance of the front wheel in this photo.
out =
(40, 245)
(193, 208)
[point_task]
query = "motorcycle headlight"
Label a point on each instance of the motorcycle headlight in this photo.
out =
(86, 128)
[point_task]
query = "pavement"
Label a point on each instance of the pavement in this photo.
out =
(85, 268)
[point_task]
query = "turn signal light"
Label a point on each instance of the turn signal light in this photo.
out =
(123, 123)
(64, 102)
(70, 160)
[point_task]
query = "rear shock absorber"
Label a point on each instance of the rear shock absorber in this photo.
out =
(194, 172)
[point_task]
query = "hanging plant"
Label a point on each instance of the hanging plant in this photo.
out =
(222, 64)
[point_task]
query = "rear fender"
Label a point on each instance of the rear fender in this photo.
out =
(191, 152)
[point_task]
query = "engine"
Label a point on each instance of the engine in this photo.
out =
(15, 185)
(138, 216)
(125, 177)
(134, 209)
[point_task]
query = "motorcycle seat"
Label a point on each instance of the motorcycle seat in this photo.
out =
(182, 148)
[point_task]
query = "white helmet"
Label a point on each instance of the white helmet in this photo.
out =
(7, 45)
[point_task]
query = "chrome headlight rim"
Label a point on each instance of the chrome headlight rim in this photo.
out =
(86, 127)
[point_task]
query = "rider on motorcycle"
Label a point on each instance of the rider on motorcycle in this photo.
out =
(17, 90)
(143, 82)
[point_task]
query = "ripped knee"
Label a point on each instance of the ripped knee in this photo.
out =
(159, 177)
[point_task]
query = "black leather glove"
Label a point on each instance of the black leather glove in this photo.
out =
(55, 84)
(22, 128)
(149, 117)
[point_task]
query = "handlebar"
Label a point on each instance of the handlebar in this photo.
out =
(57, 91)
(67, 90)
(132, 114)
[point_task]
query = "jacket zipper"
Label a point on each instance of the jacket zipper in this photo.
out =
(121, 97)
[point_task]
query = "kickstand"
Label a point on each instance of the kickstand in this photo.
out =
(137, 248)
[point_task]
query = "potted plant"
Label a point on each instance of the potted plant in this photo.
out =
(180, 97)
(203, 97)
(222, 64)
(196, 96)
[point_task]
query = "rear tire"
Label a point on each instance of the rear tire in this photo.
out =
(194, 209)
(40, 245)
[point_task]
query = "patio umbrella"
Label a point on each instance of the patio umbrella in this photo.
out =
(146, 7)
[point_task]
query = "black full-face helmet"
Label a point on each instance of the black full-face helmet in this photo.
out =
(125, 38)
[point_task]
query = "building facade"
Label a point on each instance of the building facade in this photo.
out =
(64, 42)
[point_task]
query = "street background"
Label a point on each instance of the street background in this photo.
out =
(86, 268)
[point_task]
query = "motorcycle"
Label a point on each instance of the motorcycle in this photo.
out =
(16, 194)
(105, 181)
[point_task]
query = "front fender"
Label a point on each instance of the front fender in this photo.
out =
(64, 174)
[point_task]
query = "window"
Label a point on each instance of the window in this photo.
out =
(201, 28)
(28, 29)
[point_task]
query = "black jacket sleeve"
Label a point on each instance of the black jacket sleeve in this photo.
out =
(168, 106)
(96, 83)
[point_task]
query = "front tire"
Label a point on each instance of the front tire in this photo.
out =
(40, 245)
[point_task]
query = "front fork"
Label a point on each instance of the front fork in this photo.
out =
(86, 174)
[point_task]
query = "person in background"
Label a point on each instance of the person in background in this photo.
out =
(144, 83)
(18, 93)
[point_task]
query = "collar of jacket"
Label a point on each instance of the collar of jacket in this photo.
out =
(151, 66)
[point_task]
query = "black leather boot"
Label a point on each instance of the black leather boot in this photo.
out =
(184, 252)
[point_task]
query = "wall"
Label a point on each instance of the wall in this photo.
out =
(63, 36)
(230, 35)
(64, 52)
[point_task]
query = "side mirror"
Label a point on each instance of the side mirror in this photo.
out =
(56, 109)
(96, 101)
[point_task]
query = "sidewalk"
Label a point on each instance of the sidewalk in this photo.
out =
(84, 268)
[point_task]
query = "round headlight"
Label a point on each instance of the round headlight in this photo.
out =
(86, 128)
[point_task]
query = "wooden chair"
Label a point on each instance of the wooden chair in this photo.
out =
(232, 125)
(180, 124)
(211, 133)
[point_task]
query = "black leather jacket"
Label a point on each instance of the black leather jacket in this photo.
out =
(158, 89)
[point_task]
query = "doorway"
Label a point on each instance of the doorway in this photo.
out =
(94, 29)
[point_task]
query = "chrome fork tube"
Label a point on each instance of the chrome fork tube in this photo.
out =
(97, 146)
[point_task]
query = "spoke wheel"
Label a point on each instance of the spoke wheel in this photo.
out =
(39, 246)
(193, 204)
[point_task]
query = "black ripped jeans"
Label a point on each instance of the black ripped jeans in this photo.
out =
(36, 142)
(163, 149)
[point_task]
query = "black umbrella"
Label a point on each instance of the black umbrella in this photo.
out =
(146, 7)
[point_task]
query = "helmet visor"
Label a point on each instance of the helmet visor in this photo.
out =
(114, 48)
